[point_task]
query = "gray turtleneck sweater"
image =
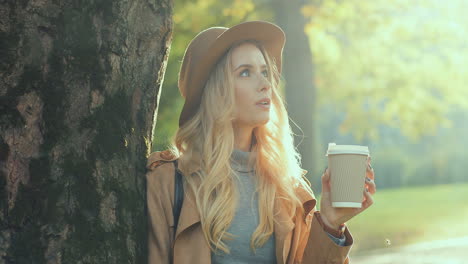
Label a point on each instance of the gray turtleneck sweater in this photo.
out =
(246, 218)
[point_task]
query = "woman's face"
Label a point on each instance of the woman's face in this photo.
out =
(252, 88)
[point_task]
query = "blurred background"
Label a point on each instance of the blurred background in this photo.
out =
(391, 75)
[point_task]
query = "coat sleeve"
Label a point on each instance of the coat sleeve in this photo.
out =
(320, 248)
(160, 220)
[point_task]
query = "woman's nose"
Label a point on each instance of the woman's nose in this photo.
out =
(265, 85)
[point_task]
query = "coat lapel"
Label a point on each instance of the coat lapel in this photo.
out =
(283, 231)
(284, 224)
(188, 214)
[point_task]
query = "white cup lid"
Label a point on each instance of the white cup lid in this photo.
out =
(347, 149)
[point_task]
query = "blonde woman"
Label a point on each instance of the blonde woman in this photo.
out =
(246, 199)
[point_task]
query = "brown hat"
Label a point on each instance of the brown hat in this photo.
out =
(210, 45)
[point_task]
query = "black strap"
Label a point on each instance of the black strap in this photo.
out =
(178, 196)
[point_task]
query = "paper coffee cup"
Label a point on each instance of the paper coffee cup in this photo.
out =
(347, 165)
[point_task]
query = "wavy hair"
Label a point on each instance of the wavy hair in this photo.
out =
(206, 141)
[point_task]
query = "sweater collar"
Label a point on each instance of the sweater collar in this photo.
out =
(243, 161)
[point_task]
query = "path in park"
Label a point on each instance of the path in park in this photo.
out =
(452, 251)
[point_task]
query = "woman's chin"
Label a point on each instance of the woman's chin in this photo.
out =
(253, 122)
(262, 122)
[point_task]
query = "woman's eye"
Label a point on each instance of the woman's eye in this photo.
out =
(246, 73)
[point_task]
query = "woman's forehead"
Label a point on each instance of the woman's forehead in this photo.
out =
(247, 53)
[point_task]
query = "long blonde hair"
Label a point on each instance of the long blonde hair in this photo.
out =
(206, 142)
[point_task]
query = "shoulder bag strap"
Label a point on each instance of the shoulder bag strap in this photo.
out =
(178, 196)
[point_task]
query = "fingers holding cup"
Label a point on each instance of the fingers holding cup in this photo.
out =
(369, 169)
(368, 200)
(370, 185)
(370, 176)
(326, 180)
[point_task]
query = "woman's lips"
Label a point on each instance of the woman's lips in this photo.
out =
(264, 103)
(264, 100)
(264, 106)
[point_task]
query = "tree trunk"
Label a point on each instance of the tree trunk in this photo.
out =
(298, 72)
(79, 90)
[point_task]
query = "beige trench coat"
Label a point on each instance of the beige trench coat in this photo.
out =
(298, 240)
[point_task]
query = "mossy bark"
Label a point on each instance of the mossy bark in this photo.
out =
(79, 90)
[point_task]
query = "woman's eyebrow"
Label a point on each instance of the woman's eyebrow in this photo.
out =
(263, 66)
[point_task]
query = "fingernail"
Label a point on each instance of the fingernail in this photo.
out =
(367, 189)
(367, 179)
(325, 170)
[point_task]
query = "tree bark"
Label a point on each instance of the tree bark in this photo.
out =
(298, 71)
(79, 90)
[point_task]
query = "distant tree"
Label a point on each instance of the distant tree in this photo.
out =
(298, 72)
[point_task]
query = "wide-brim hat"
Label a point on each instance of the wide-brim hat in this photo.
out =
(210, 45)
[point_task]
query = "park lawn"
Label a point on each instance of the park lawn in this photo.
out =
(409, 215)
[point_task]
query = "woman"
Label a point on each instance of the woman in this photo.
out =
(246, 200)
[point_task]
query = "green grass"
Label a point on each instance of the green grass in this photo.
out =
(410, 215)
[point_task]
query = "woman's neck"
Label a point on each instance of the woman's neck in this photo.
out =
(243, 138)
